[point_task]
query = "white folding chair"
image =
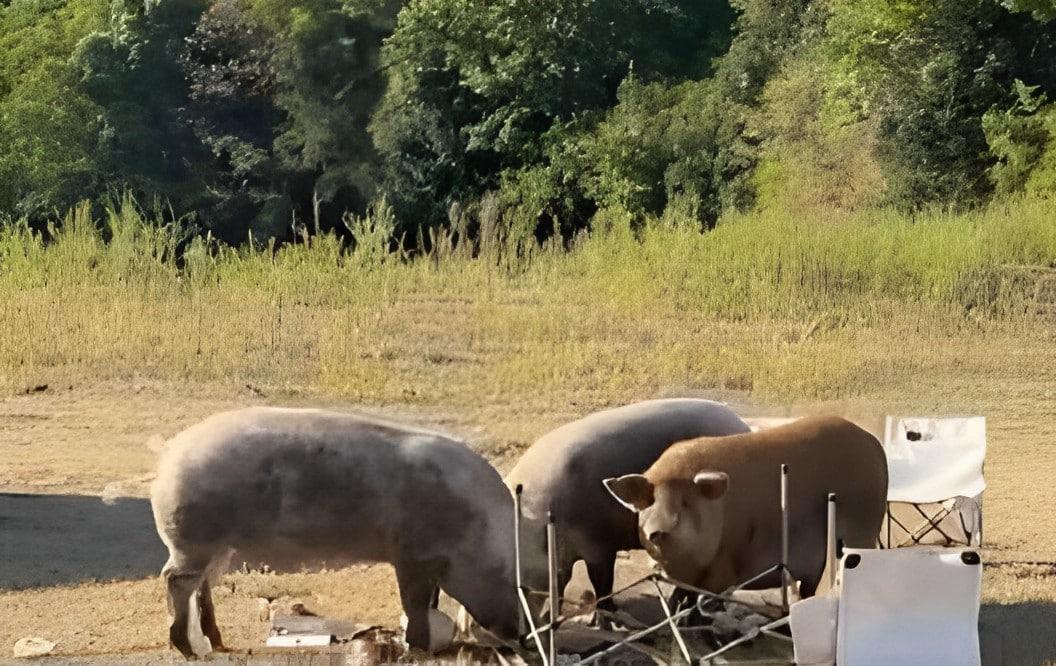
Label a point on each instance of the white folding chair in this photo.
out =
(935, 480)
(909, 606)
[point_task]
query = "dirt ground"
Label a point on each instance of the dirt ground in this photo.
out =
(83, 572)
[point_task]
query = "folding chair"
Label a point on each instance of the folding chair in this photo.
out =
(935, 480)
(911, 606)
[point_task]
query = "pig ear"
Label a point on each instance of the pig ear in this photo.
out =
(712, 485)
(634, 491)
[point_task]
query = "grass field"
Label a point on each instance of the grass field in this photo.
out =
(861, 316)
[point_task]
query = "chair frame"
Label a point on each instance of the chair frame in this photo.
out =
(933, 523)
(548, 653)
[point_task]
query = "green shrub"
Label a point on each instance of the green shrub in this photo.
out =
(1023, 139)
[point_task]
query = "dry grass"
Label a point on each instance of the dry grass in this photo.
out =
(786, 310)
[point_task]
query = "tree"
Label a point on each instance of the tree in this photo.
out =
(663, 144)
(478, 88)
(1043, 10)
(927, 70)
(251, 113)
(49, 152)
(328, 81)
(1023, 139)
(131, 72)
(689, 143)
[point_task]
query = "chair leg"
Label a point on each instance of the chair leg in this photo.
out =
(909, 532)
(934, 524)
(973, 536)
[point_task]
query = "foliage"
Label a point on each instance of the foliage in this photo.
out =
(1023, 138)
(1043, 10)
(49, 152)
(129, 71)
(809, 162)
(479, 87)
(663, 144)
(688, 146)
(927, 70)
(281, 94)
(479, 120)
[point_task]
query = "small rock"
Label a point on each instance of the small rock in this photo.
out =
(441, 630)
(288, 607)
(33, 647)
(113, 491)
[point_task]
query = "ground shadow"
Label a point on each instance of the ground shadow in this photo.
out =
(1021, 633)
(48, 540)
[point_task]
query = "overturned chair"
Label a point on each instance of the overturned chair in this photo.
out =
(936, 484)
(908, 606)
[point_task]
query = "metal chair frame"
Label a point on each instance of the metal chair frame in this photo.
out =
(671, 617)
(933, 523)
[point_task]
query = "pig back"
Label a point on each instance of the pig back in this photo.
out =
(564, 469)
(299, 486)
(824, 455)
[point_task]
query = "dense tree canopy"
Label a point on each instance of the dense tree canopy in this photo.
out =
(273, 117)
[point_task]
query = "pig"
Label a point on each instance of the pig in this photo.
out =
(564, 470)
(299, 487)
(709, 509)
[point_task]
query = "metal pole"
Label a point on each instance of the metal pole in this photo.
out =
(517, 531)
(784, 538)
(889, 525)
(830, 544)
(674, 625)
(555, 598)
(517, 565)
(531, 623)
(598, 656)
(750, 635)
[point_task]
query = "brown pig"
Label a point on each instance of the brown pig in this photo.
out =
(709, 509)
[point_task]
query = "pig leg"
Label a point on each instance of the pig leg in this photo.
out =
(182, 580)
(209, 628)
(601, 573)
(418, 582)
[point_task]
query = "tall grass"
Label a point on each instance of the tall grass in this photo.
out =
(765, 303)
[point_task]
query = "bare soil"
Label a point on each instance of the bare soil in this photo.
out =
(83, 572)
